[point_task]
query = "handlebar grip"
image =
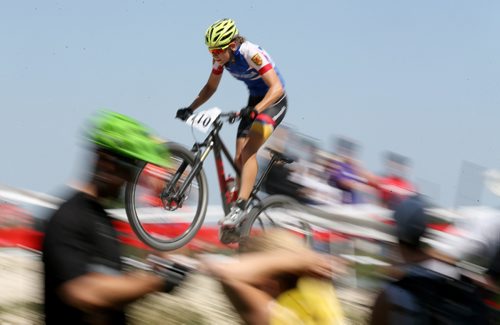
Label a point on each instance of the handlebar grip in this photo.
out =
(232, 119)
(231, 116)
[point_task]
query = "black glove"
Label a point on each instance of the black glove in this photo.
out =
(184, 113)
(173, 273)
(249, 112)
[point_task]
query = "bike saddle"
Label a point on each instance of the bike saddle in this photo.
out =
(281, 156)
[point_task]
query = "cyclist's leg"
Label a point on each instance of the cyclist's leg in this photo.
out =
(249, 162)
(260, 130)
(230, 220)
(242, 134)
(240, 144)
(257, 133)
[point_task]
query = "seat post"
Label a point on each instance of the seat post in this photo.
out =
(270, 165)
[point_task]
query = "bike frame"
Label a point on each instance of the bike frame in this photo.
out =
(215, 143)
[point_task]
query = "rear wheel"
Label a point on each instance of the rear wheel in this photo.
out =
(156, 219)
(276, 211)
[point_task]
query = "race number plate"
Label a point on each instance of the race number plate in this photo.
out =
(204, 120)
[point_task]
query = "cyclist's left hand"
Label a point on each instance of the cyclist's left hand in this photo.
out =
(184, 113)
(249, 112)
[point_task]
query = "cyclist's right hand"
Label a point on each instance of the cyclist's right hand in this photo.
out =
(249, 112)
(184, 113)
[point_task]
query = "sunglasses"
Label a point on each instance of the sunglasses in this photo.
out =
(217, 51)
(126, 166)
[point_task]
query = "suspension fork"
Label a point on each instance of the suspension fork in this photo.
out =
(198, 165)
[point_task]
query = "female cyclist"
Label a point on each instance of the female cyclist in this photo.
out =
(267, 103)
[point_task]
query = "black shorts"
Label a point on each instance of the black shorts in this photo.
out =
(265, 122)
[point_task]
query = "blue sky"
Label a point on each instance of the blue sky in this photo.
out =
(418, 77)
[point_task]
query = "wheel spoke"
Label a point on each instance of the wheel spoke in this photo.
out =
(277, 212)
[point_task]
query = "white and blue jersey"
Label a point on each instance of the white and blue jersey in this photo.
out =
(250, 62)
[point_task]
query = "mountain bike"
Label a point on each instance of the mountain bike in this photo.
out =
(166, 207)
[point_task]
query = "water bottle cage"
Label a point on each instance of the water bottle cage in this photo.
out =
(231, 196)
(231, 190)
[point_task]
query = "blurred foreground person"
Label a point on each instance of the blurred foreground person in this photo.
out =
(492, 284)
(280, 281)
(430, 291)
(84, 282)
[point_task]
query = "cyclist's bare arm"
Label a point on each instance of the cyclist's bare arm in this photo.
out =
(274, 92)
(207, 91)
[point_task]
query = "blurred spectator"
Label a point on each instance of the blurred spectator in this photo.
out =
(494, 268)
(492, 284)
(306, 180)
(280, 281)
(12, 215)
(394, 185)
(477, 244)
(84, 278)
(478, 237)
(478, 230)
(314, 178)
(279, 179)
(348, 175)
(430, 291)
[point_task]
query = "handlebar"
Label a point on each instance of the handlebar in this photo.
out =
(231, 117)
(206, 120)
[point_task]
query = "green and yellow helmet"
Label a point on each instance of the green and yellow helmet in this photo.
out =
(221, 33)
(127, 137)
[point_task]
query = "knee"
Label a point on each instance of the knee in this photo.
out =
(238, 159)
(243, 155)
(247, 154)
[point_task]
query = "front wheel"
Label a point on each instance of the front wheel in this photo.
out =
(159, 221)
(276, 211)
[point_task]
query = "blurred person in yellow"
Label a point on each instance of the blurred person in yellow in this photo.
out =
(83, 272)
(278, 280)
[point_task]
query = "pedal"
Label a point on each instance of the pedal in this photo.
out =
(229, 235)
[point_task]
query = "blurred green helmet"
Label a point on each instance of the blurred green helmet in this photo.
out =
(221, 33)
(127, 137)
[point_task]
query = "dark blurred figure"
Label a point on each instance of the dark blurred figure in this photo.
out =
(348, 175)
(278, 181)
(394, 185)
(494, 269)
(430, 291)
(493, 288)
(84, 278)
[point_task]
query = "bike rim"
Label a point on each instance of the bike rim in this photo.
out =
(155, 222)
(281, 215)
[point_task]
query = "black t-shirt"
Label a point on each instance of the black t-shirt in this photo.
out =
(494, 269)
(79, 239)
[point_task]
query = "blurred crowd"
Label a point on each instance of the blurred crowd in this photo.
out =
(274, 277)
(320, 177)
